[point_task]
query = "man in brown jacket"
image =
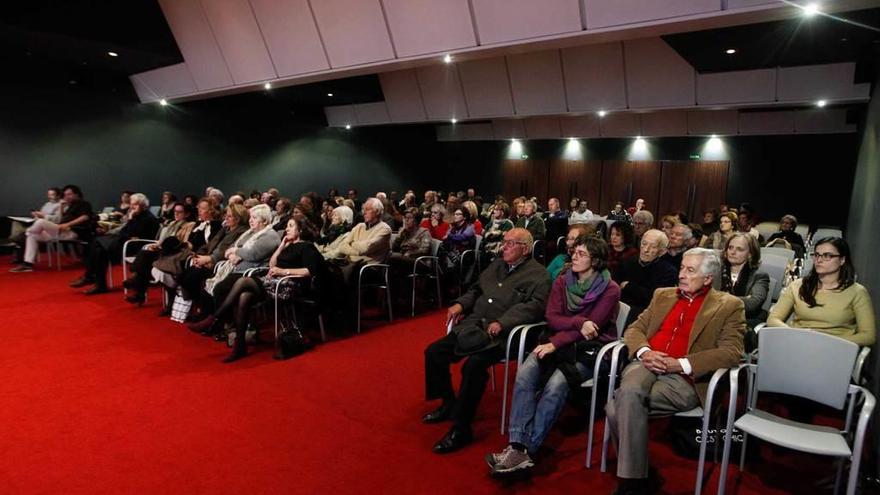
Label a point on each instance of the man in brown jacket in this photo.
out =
(684, 335)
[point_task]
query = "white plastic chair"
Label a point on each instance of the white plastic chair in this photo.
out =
(775, 266)
(523, 331)
(824, 378)
(826, 232)
(766, 229)
(778, 251)
(768, 302)
(126, 260)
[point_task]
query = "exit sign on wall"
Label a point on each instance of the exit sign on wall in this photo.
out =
(695, 156)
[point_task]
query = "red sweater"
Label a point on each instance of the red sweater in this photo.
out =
(438, 232)
(674, 333)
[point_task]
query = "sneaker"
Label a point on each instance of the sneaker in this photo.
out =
(23, 268)
(512, 460)
(493, 459)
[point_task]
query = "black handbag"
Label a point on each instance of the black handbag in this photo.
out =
(290, 343)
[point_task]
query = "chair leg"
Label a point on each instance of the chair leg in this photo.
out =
(413, 294)
(388, 297)
(124, 273)
(593, 399)
(504, 394)
(437, 279)
(359, 305)
(493, 377)
(321, 326)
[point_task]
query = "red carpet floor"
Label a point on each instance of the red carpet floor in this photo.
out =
(102, 397)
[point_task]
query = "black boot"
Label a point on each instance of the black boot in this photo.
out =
(239, 350)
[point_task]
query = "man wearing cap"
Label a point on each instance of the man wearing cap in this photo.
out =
(512, 291)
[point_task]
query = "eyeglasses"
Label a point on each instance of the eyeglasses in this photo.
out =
(826, 256)
(580, 254)
(511, 243)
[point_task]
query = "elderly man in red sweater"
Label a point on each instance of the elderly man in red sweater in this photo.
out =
(684, 335)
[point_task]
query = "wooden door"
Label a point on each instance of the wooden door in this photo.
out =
(692, 187)
(525, 178)
(627, 181)
(575, 178)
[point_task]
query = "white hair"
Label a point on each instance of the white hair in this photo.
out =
(216, 192)
(261, 212)
(381, 195)
(376, 205)
(687, 233)
(344, 213)
(711, 264)
(140, 199)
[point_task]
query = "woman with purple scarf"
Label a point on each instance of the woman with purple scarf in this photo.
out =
(581, 316)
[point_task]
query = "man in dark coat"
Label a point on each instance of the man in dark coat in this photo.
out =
(512, 291)
(638, 277)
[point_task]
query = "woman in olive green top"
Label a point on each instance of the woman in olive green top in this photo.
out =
(828, 299)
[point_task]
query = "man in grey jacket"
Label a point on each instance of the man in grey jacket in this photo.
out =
(512, 291)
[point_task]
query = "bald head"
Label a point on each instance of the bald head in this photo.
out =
(653, 245)
(517, 245)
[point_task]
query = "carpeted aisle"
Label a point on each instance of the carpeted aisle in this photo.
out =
(102, 397)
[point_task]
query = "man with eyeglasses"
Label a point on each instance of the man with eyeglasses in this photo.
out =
(684, 335)
(640, 276)
(643, 220)
(511, 291)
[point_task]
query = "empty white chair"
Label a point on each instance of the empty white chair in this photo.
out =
(826, 232)
(814, 366)
(788, 253)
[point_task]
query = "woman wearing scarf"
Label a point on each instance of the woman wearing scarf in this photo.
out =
(581, 316)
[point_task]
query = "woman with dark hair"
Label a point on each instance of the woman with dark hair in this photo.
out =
(190, 199)
(828, 299)
(726, 228)
(741, 277)
(296, 256)
(710, 222)
(621, 243)
(493, 234)
(581, 316)
(459, 238)
(561, 261)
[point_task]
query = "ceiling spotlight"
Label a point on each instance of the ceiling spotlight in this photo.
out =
(571, 140)
(810, 9)
(447, 58)
(330, 94)
(454, 121)
(267, 86)
(113, 54)
(821, 103)
(163, 102)
(348, 126)
(602, 113)
(730, 51)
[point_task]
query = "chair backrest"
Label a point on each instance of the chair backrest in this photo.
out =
(805, 363)
(560, 244)
(803, 229)
(108, 209)
(824, 232)
(775, 266)
(808, 265)
(774, 284)
(155, 210)
(435, 246)
(622, 315)
(788, 253)
(766, 229)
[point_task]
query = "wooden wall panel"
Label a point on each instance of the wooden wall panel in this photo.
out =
(575, 178)
(525, 178)
(627, 181)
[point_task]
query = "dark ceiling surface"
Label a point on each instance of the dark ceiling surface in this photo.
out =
(845, 37)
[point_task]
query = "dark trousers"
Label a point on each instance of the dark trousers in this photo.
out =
(474, 377)
(100, 253)
(192, 280)
(141, 268)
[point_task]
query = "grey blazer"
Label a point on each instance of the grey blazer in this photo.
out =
(757, 291)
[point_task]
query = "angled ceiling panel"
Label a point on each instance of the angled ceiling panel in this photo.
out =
(822, 121)
(537, 84)
(543, 128)
(340, 115)
(586, 126)
(747, 86)
(605, 13)
(594, 77)
(371, 113)
(486, 87)
(197, 44)
(465, 132)
(620, 125)
(441, 92)
(739, 4)
(814, 82)
(657, 76)
(672, 123)
(508, 20)
(508, 129)
(419, 27)
(354, 31)
(403, 96)
(291, 36)
(163, 82)
(766, 122)
(708, 122)
(240, 40)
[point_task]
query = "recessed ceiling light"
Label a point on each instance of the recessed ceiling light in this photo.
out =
(348, 126)
(163, 102)
(447, 58)
(267, 86)
(113, 54)
(810, 9)
(330, 94)
(602, 113)
(821, 103)
(454, 121)
(730, 51)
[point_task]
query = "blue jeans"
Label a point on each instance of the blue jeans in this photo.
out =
(531, 415)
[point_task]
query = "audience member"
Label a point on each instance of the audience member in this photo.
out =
(680, 236)
(581, 215)
(75, 222)
(511, 291)
(556, 221)
(166, 209)
(828, 299)
(787, 226)
(581, 316)
(618, 214)
(493, 236)
(643, 220)
(435, 223)
(411, 242)
(339, 223)
(741, 276)
(50, 211)
(710, 222)
(560, 262)
(726, 226)
(676, 344)
(621, 245)
(640, 276)
(532, 222)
